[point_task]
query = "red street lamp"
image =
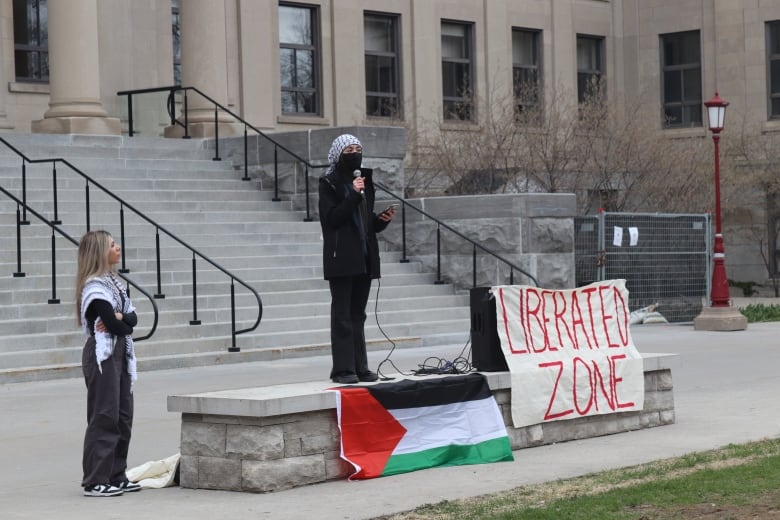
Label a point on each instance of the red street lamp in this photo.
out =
(719, 294)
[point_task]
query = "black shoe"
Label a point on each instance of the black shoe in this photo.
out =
(368, 377)
(129, 487)
(102, 490)
(346, 379)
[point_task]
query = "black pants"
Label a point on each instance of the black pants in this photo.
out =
(109, 415)
(349, 296)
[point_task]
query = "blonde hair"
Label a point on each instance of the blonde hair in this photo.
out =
(92, 261)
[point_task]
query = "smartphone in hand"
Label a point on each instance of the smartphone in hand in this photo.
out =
(388, 212)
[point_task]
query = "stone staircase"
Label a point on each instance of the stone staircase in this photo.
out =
(207, 205)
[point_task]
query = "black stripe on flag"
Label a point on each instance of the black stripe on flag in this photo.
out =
(431, 392)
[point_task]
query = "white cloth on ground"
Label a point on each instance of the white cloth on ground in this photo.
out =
(156, 473)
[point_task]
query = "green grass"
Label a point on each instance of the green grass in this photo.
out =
(738, 481)
(756, 312)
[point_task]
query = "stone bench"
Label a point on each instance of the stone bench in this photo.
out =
(277, 437)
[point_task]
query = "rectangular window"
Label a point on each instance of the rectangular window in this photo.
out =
(681, 79)
(382, 65)
(299, 59)
(773, 68)
(526, 69)
(457, 70)
(31, 40)
(590, 67)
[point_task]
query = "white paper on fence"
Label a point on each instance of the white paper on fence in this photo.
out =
(570, 352)
(155, 474)
(617, 237)
(633, 236)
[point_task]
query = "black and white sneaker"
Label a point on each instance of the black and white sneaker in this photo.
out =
(102, 490)
(129, 487)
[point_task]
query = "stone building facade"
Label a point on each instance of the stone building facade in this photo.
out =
(309, 64)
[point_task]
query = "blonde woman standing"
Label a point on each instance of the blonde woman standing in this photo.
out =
(107, 317)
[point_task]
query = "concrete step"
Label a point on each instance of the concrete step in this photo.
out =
(51, 318)
(204, 358)
(43, 195)
(262, 232)
(211, 295)
(52, 348)
(262, 202)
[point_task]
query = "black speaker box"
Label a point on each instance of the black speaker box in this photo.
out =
(486, 355)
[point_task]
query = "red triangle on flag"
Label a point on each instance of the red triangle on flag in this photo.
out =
(369, 433)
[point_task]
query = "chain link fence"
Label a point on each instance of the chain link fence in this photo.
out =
(664, 258)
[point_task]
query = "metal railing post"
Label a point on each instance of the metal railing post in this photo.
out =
(194, 320)
(246, 155)
(474, 265)
(130, 115)
(308, 211)
(216, 135)
(233, 347)
(19, 273)
(276, 174)
(124, 268)
(54, 193)
(438, 256)
(172, 106)
(159, 294)
(404, 259)
(53, 298)
(186, 118)
(24, 221)
(86, 198)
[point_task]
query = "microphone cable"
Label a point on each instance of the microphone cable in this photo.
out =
(392, 349)
(432, 364)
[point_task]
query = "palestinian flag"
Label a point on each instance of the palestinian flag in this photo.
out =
(391, 428)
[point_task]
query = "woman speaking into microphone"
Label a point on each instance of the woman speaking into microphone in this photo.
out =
(350, 254)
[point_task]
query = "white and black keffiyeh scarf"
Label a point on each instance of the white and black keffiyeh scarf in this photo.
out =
(337, 147)
(110, 289)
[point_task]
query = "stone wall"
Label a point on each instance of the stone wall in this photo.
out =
(535, 232)
(261, 454)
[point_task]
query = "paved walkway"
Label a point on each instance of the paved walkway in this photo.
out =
(726, 391)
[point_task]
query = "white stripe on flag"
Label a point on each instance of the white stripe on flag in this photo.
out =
(464, 423)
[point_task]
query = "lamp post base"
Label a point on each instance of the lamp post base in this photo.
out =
(720, 318)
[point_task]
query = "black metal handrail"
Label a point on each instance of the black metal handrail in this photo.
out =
(439, 225)
(54, 227)
(172, 90)
(158, 228)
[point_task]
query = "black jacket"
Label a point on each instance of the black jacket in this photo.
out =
(342, 250)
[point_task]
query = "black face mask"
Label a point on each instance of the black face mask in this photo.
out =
(349, 162)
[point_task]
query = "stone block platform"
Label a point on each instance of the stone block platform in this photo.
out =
(271, 438)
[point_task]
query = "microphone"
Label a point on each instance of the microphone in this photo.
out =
(356, 174)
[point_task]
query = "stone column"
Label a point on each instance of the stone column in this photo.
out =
(74, 75)
(204, 66)
(6, 59)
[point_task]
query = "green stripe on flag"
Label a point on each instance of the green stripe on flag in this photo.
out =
(494, 450)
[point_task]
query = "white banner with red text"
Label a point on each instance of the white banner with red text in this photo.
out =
(569, 352)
